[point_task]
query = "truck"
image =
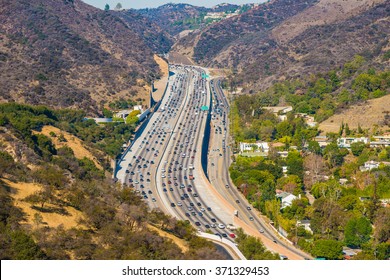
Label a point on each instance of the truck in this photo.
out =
(236, 213)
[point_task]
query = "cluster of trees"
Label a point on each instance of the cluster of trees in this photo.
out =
(108, 138)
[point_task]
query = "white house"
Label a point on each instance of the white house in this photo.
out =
(345, 142)
(260, 146)
(285, 198)
(371, 164)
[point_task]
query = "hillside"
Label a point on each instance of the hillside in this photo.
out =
(371, 113)
(70, 54)
(283, 39)
(56, 205)
(180, 19)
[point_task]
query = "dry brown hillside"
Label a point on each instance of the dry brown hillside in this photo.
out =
(367, 115)
(324, 12)
(66, 53)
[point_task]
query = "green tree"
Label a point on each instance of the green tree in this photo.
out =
(357, 148)
(118, 6)
(295, 164)
(107, 7)
(314, 147)
(329, 249)
(357, 232)
(6, 163)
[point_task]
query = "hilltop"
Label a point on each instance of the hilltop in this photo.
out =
(69, 54)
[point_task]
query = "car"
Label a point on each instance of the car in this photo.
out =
(261, 230)
(283, 257)
(200, 214)
(190, 208)
(197, 224)
(173, 204)
(224, 235)
(251, 219)
(232, 235)
(213, 220)
(274, 241)
(221, 226)
(192, 204)
(202, 209)
(153, 199)
(208, 209)
(207, 226)
(248, 208)
(188, 214)
(164, 189)
(213, 226)
(227, 186)
(195, 195)
(145, 196)
(179, 204)
(237, 201)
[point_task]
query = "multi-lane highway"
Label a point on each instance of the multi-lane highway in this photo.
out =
(164, 162)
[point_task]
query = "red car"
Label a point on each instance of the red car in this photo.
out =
(232, 235)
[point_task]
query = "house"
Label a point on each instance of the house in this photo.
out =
(371, 164)
(250, 147)
(285, 198)
(345, 142)
(309, 120)
(349, 253)
(305, 224)
(280, 111)
(124, 113)
(322, 140)
(283, 154)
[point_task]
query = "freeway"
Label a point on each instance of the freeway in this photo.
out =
(218, 173)
(164, 166)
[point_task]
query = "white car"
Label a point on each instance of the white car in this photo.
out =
(221, 226)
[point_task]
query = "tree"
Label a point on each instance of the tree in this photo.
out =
(382, 225)
(118, 6)
(6, 162)
(314, 147)
(329, 249)
(357, 148)
(357, 232)
(107, 7)
(295, 164)
(315, 169)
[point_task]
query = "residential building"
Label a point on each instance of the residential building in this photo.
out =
(258, 146)
(345, 142)
(285, 198)
(305, 224)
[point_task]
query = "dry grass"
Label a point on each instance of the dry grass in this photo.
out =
(324, 12)
(179, 242)
(19, 191)
(71, 141)
(367, 115)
